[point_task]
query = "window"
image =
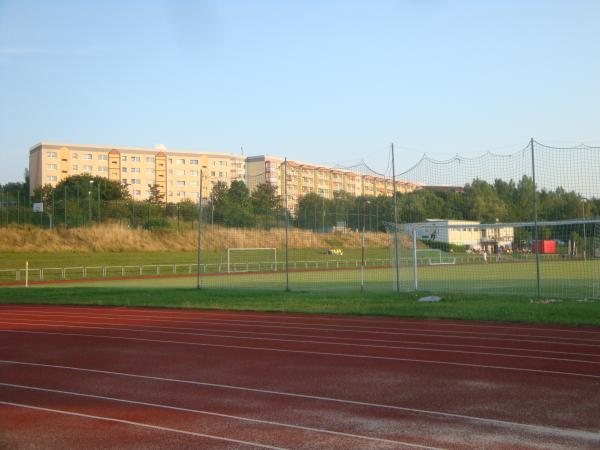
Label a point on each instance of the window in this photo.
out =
(180, 161)
(137, 192)
(193, 173)
(181, 183)
(150, 170)
(135, 170)
(102, 168)
(74, 156)
(180, 172)
(87, 156)
(170, 160)
(136, 181)
(124, 169)
(220, 174)
(212, 173)
(124, 180)
(52, 178)
(193, 183)
(51, 154)
(135, 159)
(170, 193)
(123, 158)
(102, 157)
(75, 167)
(87, 169)
(222, 163)
(194, 162)
(52, 166)
(149, 159)
(213, 163)
(180, 194)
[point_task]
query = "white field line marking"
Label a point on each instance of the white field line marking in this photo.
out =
(342, 338)
(383, 330)
(253, 325)
(215, 414)
(138, 424)
(495, 422)
(306, 352)
(316, 318)
(298, 341)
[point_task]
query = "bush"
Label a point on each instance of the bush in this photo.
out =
(157, 224)
(444, 246)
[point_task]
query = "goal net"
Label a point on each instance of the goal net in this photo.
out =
(251, 259)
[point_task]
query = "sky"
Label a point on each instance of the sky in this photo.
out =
(329, 82)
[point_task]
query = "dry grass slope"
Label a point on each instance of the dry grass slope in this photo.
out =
(113, 238)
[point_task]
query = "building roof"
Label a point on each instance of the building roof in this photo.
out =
(149, 151)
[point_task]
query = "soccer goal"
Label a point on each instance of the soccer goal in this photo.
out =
(257, 259)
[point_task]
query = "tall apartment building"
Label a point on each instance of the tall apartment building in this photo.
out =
(303, 178)
(176, 173)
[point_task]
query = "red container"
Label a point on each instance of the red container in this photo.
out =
(547, 247)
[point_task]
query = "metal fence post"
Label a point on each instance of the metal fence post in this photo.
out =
(287, 222)
(395, 224)
(415, 276)
(535, 223)
(199, 233)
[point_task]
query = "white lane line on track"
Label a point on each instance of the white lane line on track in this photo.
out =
(303, 341)
(364, 329)
(139, 424)
(306, 352)
(250, 334)
(315, 317)
(220, 415)
(253, 325)
(494, 422)
(358, 329)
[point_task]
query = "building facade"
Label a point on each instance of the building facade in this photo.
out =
(304, 178)
(175, 173)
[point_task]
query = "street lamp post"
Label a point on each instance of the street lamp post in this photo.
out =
(323, 230)
(98, 202)
(90, 201)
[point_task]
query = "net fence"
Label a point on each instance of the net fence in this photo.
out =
(524, 222)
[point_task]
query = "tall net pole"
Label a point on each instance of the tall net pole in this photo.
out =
(535, 222)
(199, 234)
(287, 221)
(396, 250)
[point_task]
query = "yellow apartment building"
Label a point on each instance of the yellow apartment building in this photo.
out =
(304, 178)
(176, 173)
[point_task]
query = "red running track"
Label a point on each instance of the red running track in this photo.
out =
(97, 377)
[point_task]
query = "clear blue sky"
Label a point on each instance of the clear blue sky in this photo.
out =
(323, 81)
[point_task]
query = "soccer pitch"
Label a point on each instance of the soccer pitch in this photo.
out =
(568, 279)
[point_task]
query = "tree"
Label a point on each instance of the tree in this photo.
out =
(238, 207)
(264, 198)
(110, 190)
(217, 201)
(156, 197)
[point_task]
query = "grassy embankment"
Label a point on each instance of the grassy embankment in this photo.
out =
(112, 244)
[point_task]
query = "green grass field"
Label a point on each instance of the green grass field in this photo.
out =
(453, 306)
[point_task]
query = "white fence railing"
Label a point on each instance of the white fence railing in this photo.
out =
(124, 271)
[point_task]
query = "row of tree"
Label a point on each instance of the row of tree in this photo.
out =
(81, 199)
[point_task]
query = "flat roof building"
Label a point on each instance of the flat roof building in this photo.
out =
(176, 173)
